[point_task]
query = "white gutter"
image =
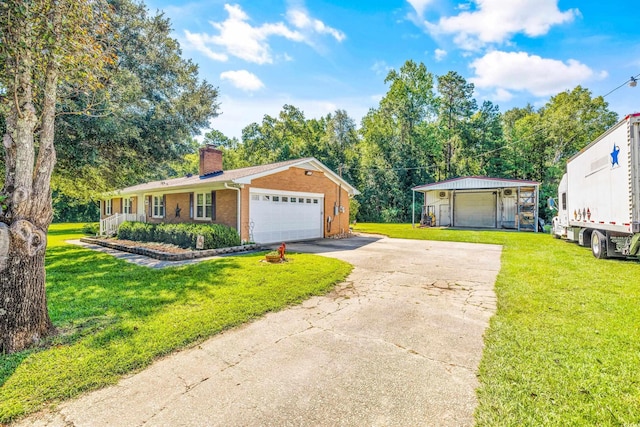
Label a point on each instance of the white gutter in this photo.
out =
(239, 204)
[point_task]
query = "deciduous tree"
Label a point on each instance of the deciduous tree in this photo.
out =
(144, 116)
(106, 82)
(46, 48)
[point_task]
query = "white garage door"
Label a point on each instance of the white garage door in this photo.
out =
(475, 210)
(280, 216)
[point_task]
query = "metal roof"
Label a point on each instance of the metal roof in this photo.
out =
(237, 176)
(475, 183)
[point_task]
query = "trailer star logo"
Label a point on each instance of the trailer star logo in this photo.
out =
(614, 155)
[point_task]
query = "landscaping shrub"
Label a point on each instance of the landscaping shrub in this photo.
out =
(182, 235)
(91, 228)
(137, 231)
(125, 231)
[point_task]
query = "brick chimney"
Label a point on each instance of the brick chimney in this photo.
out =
(210, 160)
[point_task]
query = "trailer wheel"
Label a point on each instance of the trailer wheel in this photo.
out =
(598, 245)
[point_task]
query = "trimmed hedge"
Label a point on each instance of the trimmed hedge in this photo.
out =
(183, 235)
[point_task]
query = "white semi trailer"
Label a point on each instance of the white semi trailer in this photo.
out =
(599, 196)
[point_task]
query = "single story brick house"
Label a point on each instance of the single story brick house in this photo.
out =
(285, 201)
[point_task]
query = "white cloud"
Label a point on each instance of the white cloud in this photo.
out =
(520, 71)
(419, 5)
(199, 43)
(243, 79)
(381, 68)
(440, 54)
(237, 37)
(299, 18)
(496, 21)
(502, 95)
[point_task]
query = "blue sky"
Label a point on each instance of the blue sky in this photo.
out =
(325, 55)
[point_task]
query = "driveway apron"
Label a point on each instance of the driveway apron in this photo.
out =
(397, 344)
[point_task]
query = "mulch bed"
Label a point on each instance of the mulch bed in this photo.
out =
(161, 247)
(164, 252)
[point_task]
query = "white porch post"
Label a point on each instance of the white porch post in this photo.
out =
(413, 210)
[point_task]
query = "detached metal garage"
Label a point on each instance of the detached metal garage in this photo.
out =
(480, 202)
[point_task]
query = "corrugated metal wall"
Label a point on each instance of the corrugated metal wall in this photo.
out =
(509, 210)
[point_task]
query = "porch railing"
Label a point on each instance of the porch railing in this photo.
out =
(109, 225)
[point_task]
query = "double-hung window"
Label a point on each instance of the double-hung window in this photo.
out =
(107, 207)
(128, 203)
(158, 206)
(203, 205)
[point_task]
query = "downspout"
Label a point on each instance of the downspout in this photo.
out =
(239, 204)
(340, 208)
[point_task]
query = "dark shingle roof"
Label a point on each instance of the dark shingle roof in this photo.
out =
(226, 176)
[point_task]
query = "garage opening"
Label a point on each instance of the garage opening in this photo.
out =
(280, 216)
(475, 209)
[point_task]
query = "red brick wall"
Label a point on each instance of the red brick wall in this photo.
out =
(172, 201)
(226, 209)
(244, 213)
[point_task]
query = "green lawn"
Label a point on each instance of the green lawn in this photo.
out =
(564, 346)
(115, 317)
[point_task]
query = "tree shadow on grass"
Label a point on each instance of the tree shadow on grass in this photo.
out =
(10, 362)
(93, 297)
(95, 284)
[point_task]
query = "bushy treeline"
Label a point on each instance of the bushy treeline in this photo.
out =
(425, 129)
(183, 235)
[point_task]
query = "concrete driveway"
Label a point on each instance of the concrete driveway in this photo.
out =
(397, 344)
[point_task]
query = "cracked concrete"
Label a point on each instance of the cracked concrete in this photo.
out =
(398, 343)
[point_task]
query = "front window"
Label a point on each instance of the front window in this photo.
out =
(128, 203)
(158, 206)
(107, 207)
(203, 206)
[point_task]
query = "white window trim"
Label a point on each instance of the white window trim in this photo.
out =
(160, 203)
(204, 206)
(108, 206)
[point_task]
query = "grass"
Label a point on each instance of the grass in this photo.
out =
(115, 317)
(564, 346)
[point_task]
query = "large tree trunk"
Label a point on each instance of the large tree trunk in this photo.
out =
(24, 319)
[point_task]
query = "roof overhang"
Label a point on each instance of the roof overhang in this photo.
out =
(475, 183)
(165, 187)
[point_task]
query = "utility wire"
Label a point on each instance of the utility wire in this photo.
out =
(631, 80)
(507, 145)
